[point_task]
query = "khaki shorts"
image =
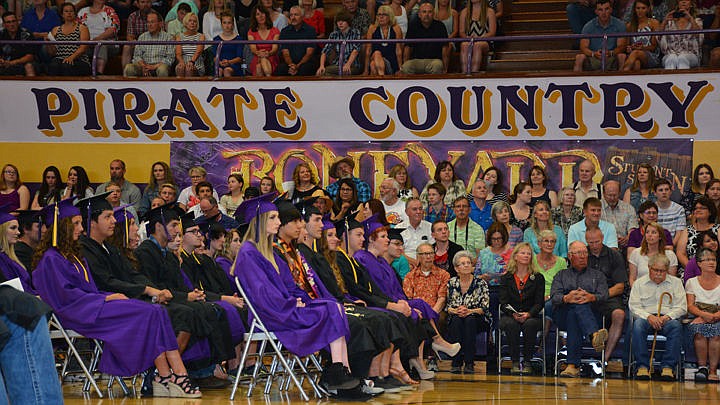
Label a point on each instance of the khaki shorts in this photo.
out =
(593, 63)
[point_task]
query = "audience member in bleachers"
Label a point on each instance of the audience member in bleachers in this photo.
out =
(652, 244)
(647, 213)
(189, 57)
(426, 57)
(267, 185)
(360, 19)
(243, 8)
(445, 174)
(400, 11)
(520, 209)
(502, 214)
(702, 174)
(351, 61)
(671, 215)
(417, 229)
(492, 260)
(642, 188)
(709, 241)
(39, 21)
(549, 264)
(234, 197)
(305, 183)
(619, 213)
(579, 13)
(343, 167)
(69, 60)
(539, 222)
(712, 193)
(314, 16)
(468, 303)
(151, 60)
(212, 23)
(173, 14)
(130, 192)
(103, 23)
(346, 200)
(115, 198)
(136, 25)
(715, 52)
(480, 210)
(160, 174)
(645, 296)
(464, 231)
(577, 294)
(187, 198)
(611, 263)
(477, 20)
(383, 58)
(298, 59)
(567, 213)
(175, 26)
(78, 184)
(445, 249)
(703, 294)
(642, 50)
(50, 189)
(278, 19)
(394, 206)
(681, 51)
(522, 290)
(231, 55)
(591, 56)
(13, 193)
(703, 219)
(592, 210)
(585, 186)
(168, 193)
(446, 14)
(400, 174)
(540, 191)
(203, 190)
(493, 177)
(436, 208)
(427, 281)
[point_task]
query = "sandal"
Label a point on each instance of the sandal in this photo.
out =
(182, 387)
(160, 387)
(403, 376)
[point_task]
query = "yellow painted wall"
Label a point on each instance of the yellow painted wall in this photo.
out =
(33, 158)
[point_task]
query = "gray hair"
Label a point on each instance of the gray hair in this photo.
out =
(417, 250)
(462, 254)
(394, 183)
(659, 259)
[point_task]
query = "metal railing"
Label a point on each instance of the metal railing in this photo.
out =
(344, 43)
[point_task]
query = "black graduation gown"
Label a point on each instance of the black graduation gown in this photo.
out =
(164, 272)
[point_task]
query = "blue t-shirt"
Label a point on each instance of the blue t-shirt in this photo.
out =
(32, 23)
(593, 27)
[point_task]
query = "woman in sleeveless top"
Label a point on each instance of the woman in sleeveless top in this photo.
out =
(13, 193)
(643, 50)
(189, 56)
(448, 16)
(539, 181)
(70, 60)
(383, 58)
(477, 20)
(265, 59)
(400, 13)
(682, 51)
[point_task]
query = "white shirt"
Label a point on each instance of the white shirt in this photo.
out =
(702, 295)
(188, 192)
(413, 237)
(645, 294)
(396, 215)
(641, 261)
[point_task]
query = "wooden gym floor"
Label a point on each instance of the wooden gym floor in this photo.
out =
(451, 389)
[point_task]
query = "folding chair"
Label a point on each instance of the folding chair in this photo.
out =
(500, 346)
(589, 359)
(659, 348)
(258, 333)
(58, 332)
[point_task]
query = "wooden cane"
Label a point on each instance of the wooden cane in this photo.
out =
(652, 351)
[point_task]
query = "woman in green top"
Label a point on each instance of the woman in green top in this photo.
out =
(548, 265)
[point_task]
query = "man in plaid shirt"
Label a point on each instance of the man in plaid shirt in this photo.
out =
(136, 25)
(152, 60)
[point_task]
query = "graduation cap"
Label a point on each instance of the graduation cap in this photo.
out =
(162, 214)
(370, 225)
(396, 234)
(122, 218)
(252, 208)
(5, 215)
(187, 221)
(56, 212)
(345, 225)
(93, 205)
(327, 223)
(287, 211)
(306, 207)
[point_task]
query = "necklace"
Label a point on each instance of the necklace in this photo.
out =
(546, 264)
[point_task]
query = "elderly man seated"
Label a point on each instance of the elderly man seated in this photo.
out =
(648, 316)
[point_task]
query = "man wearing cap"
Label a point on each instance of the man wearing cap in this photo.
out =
(341, 168)
(162, 267)
(211, 213)
(130, 192)
(30, 234)
(396, 253)
(394, 206)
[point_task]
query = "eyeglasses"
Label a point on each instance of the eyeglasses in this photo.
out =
(650, 212)
(382, 15)
(548, 241)
(700, 208)
(709, 259)
(658, 270)
(396, 243)
(194, 231)
(10, 172)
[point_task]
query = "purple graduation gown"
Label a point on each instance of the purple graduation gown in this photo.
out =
(385, 277)
(11, 269)
(226, 265)
(134, 332)
(301, 330)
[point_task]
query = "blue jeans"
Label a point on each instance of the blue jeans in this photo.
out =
(578, 15)
(28, 366)
(579, 320)
(672, 331)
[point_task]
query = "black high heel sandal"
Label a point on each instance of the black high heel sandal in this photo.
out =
(182, 387)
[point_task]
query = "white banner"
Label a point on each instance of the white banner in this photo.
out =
(672, 106)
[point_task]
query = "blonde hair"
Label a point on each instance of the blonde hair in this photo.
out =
(264, 243)
(5, 245)
(185, 21)
(387, 10)
(533, 221)
(512, 263)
